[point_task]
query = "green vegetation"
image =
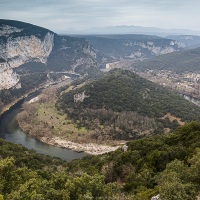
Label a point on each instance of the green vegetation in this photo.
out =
(25, 174)
(166, 164)
(179, 62)
(43, 119)
(122, 105)
(68, 54)
(28, 83)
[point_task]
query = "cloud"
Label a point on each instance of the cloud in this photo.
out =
(63, 15)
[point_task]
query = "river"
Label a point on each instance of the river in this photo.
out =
(10, 131)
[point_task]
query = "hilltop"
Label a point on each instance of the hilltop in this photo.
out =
(122, 105)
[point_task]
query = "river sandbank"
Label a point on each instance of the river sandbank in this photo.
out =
(89, 148)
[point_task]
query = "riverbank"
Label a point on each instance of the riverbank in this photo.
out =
(41, 120)
(89, 148)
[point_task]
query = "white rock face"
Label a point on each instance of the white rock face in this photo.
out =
(20, 50)
(157, 197)
(5, 30)
(155, 50)
(79, 97)
(8, 78)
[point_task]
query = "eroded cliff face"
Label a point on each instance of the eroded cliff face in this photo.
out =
(153, 48)
(8, 78)
(16, 51)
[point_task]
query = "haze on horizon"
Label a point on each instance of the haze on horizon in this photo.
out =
(64, 16)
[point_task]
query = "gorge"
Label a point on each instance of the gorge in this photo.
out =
(10, 131)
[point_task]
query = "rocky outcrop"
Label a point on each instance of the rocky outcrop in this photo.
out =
(134, 47)
(157, 197)
(153, 48)
(79, 97)
(22, 44)
(18, 50)
(186, 41)
(8, 78)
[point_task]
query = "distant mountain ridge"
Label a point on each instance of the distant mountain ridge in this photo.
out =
(137, 30)
(130, 46)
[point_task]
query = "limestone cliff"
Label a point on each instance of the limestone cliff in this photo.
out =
(20, 50)
(8, 78)
(18, 46)
(131, 46)
(22, 44)
(155, 48)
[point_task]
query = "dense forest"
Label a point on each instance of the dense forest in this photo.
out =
(122, 105)
(167, 164)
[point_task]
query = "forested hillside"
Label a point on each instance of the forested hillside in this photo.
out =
(179, 62)
(168, 165)
(122, 105)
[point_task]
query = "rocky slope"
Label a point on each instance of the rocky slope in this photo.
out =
(22, 43)
(133, 47)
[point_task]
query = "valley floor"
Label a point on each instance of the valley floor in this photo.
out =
(43, 121)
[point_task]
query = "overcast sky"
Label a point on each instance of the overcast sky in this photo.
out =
(66, 15)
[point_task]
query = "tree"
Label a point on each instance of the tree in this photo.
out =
(173, 183)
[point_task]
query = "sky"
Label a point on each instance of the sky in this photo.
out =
(64, 16)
